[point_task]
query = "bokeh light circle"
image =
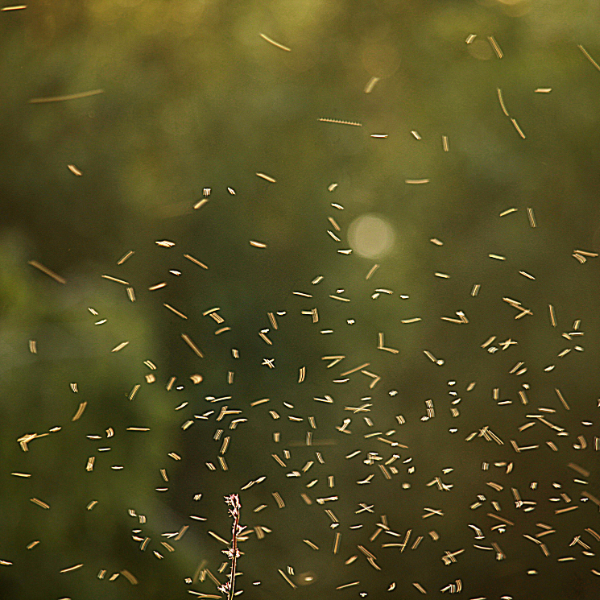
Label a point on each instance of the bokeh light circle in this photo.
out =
(371, 235)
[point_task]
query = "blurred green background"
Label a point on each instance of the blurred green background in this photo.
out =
(193, 102)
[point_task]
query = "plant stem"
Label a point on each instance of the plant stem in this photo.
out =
(234, 548)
